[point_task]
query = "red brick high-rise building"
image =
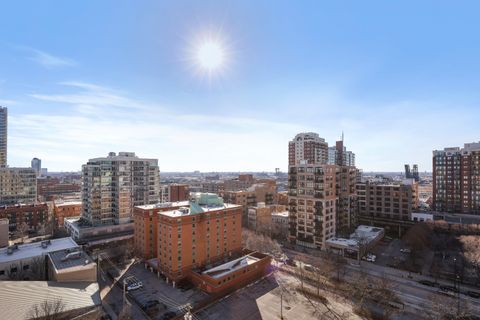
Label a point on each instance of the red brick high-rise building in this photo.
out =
(178, 192)
(146, 227)
(199, 234)
(456, 179)
(308, 147)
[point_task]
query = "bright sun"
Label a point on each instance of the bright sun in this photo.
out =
(210, 55)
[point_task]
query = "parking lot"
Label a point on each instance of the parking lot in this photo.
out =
(388, 253)
(157, 298)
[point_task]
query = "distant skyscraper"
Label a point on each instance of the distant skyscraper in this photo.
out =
(412, 174)
(113, 185)
(456, 179)
(3, 136)
(37, 166)
(340, 156)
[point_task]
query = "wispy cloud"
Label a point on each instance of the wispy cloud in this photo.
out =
(93, 95)
(5, 103)
(48, 60)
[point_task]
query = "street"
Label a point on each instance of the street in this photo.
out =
(415, 296)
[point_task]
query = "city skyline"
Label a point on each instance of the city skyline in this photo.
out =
(125, 82)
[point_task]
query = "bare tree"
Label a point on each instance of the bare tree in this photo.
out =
(259, 242)
(47, 310)
(383, 293)
(471, 252)
(37, 269)
(22, 230)
(444, 307)
(126, 313)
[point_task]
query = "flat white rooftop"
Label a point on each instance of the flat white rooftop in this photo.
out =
(343, 242)
(67, 203)
(368, 232)
(229, 267)
(164, 205)
(31, 250)
(281, 214)
(185, 211)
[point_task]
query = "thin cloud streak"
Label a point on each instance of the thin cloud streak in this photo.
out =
(94, 95)
(48, 60)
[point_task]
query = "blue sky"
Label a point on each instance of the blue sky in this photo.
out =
(82, 78)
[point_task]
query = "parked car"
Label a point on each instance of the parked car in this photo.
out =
(405, 250)
(133, 284)
(473, 294)
(370, 257)
(169, 315)
(308, 267)
(448, 288)
(427, 283)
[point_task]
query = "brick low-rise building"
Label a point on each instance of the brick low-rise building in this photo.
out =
(34, 215)
(51, 188)
(387, 205)
(66, 209)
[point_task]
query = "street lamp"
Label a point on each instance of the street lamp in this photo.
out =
(124, 288)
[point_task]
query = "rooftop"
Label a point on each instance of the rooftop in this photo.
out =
(67, 203)
(366, 232)
(185, 211)
(164, 205)
(122, 156)
(65, 259)
(343, 242)
(18, 297)
(280, 214)
(31, 250)
(202, 202)
(231, 266)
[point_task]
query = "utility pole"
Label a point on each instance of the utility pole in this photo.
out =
(281, 303)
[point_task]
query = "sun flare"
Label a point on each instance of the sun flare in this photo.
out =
(210, 55)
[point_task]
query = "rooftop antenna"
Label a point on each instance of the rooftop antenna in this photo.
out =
(342, 135)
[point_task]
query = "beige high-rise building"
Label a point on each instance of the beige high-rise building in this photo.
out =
(113, 185)
(322, 196)
(17, 185)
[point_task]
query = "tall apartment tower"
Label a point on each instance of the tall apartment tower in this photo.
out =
(3, 136)
(456, 179)
(321, 195)
(307, 147)
(37, 166)
(339, 155)
(113, 185)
